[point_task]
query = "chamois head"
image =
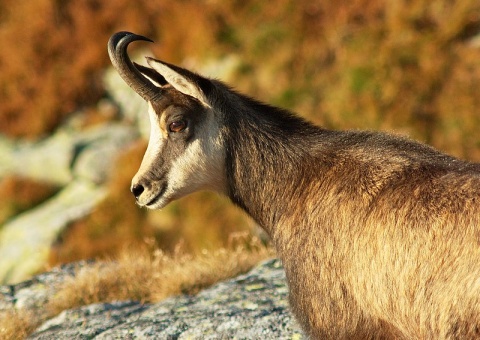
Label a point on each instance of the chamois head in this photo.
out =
(185, 151)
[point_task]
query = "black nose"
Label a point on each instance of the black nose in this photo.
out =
(137, 190)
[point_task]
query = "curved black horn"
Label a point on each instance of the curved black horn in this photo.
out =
(117, 50)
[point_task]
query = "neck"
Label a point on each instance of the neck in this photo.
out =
(268, 152)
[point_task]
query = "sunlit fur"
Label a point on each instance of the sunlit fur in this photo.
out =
(379, 235)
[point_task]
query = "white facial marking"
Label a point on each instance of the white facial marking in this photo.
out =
(199, 167)
(156, 138)
(155, 145)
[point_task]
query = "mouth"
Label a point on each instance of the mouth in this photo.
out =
(157, 198)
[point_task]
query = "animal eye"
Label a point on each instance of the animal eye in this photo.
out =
(177, 126)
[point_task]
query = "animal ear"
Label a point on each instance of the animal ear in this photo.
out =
(152, 75)
(182, 80)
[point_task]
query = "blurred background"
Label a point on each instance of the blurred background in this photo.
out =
(72, 135)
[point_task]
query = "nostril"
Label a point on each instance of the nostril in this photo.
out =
(137, 190)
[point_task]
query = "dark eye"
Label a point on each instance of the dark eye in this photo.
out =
(177, 126)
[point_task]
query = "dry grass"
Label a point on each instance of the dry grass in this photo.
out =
(152, 276)
(142, 275)
(16, 325)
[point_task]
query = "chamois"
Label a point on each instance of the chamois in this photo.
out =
(379, 235)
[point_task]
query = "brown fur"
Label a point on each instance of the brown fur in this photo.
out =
(379, 235)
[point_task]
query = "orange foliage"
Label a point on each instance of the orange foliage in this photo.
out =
(51, 57)
(20, 194)
(406, 66)
(364, 64)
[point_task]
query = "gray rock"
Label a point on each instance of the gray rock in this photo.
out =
(97, 148)
(133, 108)
(33, 294)
(89, 153)
(251, 306)
(80, 162)
(25, 241)
(47, 160)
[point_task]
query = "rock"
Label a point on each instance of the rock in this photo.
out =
(53, 158)
(78, 161)
(25, 241)
(251, 306)
(133, 108)
(223, 68)
(47, 160)
(97, 149)
(34, 293)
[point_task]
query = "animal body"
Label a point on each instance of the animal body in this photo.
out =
(379, 235)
